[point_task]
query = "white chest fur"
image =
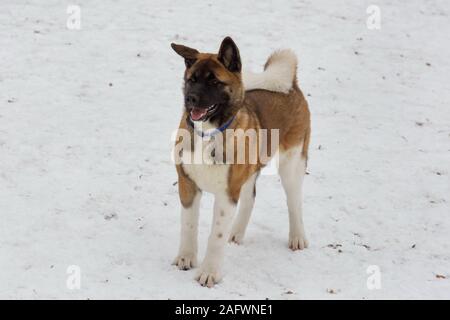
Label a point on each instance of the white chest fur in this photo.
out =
(201, 167)
(208, 177)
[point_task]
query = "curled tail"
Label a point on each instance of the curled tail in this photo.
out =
(279, 73)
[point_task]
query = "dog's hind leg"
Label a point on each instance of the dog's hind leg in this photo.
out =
(246, 203)
(210, 270)
(292, 170)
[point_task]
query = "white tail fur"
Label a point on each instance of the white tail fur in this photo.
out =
(279, 73)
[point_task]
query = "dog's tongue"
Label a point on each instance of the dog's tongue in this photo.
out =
(198, 113)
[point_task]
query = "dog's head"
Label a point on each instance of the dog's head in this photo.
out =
(212, 82)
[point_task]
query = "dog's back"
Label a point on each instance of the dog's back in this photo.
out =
(276, 99)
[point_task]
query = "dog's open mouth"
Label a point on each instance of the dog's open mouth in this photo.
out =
(201, 114)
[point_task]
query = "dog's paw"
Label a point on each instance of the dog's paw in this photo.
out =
(185, 261)
(298, 242)
(208, 278)
(237, 237)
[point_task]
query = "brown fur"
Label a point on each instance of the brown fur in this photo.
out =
(271, 110)
(187, 189)
(256, 109)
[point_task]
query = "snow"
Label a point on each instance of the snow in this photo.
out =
(86, 118)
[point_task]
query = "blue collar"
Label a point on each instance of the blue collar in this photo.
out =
(212, 132)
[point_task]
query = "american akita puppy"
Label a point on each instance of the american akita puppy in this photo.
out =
(217, 99)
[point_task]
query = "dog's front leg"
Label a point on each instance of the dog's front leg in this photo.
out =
(190, 197)
(210, 270)
(187, 252)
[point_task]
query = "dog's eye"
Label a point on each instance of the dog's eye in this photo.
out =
(212, 79)
(192, 79)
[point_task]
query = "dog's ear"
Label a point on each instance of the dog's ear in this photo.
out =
(189, 54)
(229, 55)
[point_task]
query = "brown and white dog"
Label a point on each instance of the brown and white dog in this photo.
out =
(218, 98)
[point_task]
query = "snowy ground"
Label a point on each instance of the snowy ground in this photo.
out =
(86, 179)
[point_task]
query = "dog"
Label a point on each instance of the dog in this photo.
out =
(219, 98)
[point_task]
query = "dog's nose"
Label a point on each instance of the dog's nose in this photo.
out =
(192, 99)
